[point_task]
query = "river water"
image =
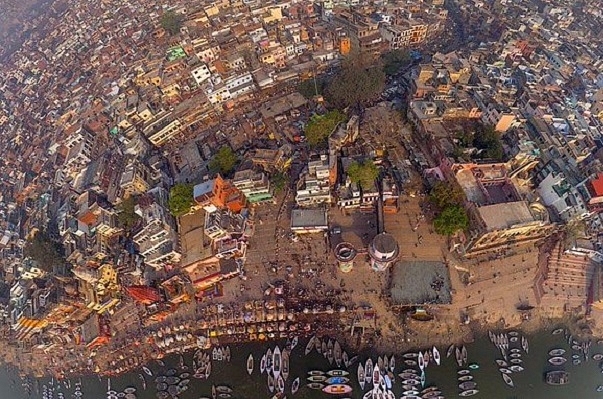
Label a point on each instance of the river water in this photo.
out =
(529, 384)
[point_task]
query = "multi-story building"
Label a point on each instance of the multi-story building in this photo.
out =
(313, 186)
(254, 185)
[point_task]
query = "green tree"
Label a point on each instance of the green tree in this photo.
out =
(364, 173)
(394, 60)
(181, 199)
(126, 217)
(308, 89)
(452, 219)
(487, 139)
(320, 127)
(172, 22)
(359, 81)
(48, 254)
(279, 181)
(224, 161)
(444, 194)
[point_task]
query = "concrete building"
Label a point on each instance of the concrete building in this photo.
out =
(345, 253)
(309, 220)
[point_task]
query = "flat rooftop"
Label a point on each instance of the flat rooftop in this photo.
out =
(419, 282)
(505, 215)
(309, 218)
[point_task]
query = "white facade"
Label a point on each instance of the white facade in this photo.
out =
(201, 74)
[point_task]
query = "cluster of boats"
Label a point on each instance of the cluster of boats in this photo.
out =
(333, 382)
(331, 350)
(275, 363)
(127, 393)
(202, 365)
(54, 387)
(510, 345)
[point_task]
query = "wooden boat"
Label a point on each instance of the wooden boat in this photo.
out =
(515, 350)
(250, 364)
(269, 360)
(263, 364)
(557, 378)
(214, 393)
(380, 362)
(147, 371)
(410, 362)
(413, 392)
(557, 360)
(337, 389)
(385, 363)
(317, 378)
(353, 360)
(463, 372)
(276, 362)
(450, 351)
(224, 395)
(459, 357)
(436, 355)
(576, 362)
(524, 344)
(410, 355)
(557, 331)
(412, 381)
(316, 372)
(271, 382)
(421, 361)
(516, 361)
(324, 348)
(516, 368)
(318, 344)
(556, 352)
(337, 353)
(208, 370)
(392, 363)
(464, 354)
(345, 359)
(360, 376)
(407, 376)
(280, 384)
(501, 363)
(513, 334)
(310, 345)
(285, 364)
(598, 356)
(337, 380)
(508, 380)
(337, 373)
(469, 392)
(426, 358)
(368, 371)
(295, 386)
(504, 370)
(315, 385)
(376, 376)
(515, 355)
(227, 354)
(294, 342)
(432, 394)
(467, 385)
(465, 378)
(514, 339)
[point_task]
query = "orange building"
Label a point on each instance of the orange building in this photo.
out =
(345, 45)
(226, 195)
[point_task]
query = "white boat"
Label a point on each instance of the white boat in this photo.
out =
(421, 361)
(269, 361)
(385, 363)
(368, 371)
(508, 380)
(464, 354)
(436, 355)
(516, 368)
(310, 345)
(524, 344)
(276, 362)
(294, 342)
(270, 383)
(147, 371)
(392, 363)
(285, 365)
(220, 355)
(227, 354)
(250, 364)
(557, 360)
(214, 354)
(295, 386)
(337, 353)
(450, 351)
(469, 392)
(345, 359)
(360, 375)
(376, 376)
(263, 364)
(280, 384)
